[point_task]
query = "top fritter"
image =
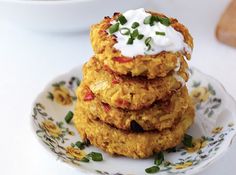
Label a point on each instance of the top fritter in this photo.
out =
(141, 43)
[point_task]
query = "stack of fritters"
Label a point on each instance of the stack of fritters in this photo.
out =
(133, 107)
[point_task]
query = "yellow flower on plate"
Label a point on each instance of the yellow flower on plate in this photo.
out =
(200, 94)
(62, 96)
(197, 145)
(51, 128)
(75, 153)
(183, 165)
(216, 130)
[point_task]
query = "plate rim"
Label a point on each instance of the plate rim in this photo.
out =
(85, 171)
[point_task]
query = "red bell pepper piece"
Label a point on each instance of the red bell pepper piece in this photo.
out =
(89, 95)
(122, 59)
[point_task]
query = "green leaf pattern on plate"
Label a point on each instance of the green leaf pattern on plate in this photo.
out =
(57, 135)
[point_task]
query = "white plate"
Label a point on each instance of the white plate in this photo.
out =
(215, 120)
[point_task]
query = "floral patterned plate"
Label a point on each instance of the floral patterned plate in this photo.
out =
(213, 130)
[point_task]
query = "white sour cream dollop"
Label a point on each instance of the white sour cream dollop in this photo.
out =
(172, 41)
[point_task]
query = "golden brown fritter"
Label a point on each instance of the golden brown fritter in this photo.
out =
(129, 92)
(130, 144)
(152, 66)
(160, 116)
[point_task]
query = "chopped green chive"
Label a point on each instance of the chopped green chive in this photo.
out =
(153, 169)
(159, 158)
(80, 145)
(147, 43)
(130, 41)
(69, 116)
(125, 31)
(114, 28)
(95, 156)
(187, 140)
(122, 19)
(84, 159)
(72, 144)
(160, 33)
(135, 33)
(135, 25)
(149, 47)
(149, 20)
(163, 20)
(140, 36)
(148, 40)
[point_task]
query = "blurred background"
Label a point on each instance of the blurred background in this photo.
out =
(40, 40)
